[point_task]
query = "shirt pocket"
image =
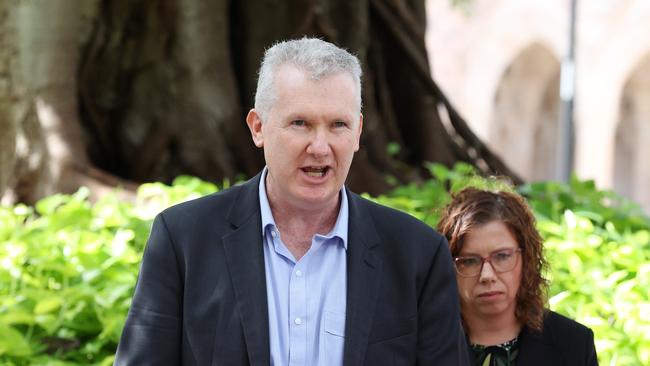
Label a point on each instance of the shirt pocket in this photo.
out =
(334, 336)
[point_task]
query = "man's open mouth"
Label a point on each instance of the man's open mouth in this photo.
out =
(316, 172)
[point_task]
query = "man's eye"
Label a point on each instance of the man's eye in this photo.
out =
(298, 122)
(339, 124)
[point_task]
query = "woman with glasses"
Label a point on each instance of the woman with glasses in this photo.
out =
(499, 261)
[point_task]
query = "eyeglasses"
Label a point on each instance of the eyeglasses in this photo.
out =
(501, 260)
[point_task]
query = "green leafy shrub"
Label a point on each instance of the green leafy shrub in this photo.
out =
(597, 244)
(68, 267)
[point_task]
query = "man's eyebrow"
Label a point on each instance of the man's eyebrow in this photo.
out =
(343, 117)
(295, 116)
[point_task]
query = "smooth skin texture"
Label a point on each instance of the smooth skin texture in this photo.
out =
(489, 300)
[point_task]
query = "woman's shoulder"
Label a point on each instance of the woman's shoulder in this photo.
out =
(560, 326)
(563, 341)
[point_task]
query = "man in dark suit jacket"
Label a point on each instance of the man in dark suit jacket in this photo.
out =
(290, 267)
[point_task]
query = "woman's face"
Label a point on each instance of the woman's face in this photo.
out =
(490, 294)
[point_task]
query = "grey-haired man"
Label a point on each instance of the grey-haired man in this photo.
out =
(291, 268)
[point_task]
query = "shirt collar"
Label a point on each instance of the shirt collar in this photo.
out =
(340, 228)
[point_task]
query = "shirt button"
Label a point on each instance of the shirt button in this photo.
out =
(273, 233)
(299, 273)
(298, 321)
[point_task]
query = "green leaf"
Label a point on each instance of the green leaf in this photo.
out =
(12, 343)
(48, 322)
(17, 317)
(393, 148)
(438, 171)
(48, 305)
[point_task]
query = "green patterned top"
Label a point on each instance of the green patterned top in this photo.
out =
(504, 354)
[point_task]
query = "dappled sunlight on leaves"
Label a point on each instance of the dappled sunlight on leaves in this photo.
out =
(68, 267)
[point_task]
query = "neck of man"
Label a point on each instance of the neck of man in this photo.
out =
(298, 225)
(492, 330)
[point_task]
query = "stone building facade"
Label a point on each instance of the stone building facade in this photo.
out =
(499, 63)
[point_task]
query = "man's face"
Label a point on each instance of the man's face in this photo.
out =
(309, 137)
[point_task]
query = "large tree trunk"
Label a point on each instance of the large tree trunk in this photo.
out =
(9, 95)
(45, 150)
(109, 92)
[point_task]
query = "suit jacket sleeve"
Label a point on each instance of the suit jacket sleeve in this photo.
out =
(441, 340)
(152, 333)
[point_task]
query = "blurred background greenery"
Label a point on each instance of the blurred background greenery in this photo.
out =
(69, 266)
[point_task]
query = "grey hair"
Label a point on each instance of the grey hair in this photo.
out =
(315, 56)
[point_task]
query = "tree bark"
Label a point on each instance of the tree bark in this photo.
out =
(107, 92)
(9, 95)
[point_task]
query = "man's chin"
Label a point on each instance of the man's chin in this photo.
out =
(317, 198)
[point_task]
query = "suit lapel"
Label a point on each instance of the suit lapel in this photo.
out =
(364, 269)
(245, 258)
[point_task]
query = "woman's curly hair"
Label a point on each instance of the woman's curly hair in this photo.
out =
(473, 207)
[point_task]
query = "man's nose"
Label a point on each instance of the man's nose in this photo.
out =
(319, 143)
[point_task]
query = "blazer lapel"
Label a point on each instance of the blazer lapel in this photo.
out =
(245, 258)
(364, 269)
(534, 349)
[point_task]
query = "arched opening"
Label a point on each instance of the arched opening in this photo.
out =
(632, 141)
(526, 104)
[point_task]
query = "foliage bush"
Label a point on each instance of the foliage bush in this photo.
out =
(68, 267)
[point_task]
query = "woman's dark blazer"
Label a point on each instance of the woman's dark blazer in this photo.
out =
(562, 342)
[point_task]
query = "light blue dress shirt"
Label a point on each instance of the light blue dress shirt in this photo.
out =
(306, 298)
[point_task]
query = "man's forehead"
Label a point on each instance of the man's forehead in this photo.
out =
(292, 71)
(293, 85)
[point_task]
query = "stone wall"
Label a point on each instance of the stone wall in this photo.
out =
(498, 61)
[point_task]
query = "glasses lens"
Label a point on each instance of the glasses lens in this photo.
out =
(468, 266)
(501, 261)
(504, 260)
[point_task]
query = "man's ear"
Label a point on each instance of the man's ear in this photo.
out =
(254, 122)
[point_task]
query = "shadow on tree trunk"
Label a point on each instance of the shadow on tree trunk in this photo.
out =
(161, 88)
